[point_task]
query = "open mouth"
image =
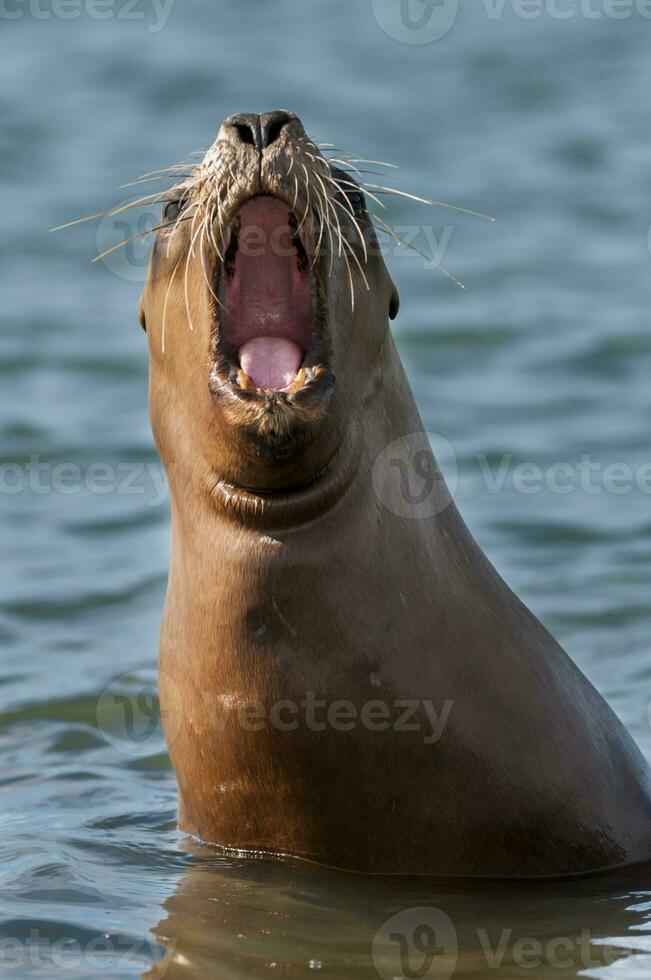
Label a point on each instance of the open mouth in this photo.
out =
(270, 337)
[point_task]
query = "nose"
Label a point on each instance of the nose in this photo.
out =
(259, 131)
(272, 125)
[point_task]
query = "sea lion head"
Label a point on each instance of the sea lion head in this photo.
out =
(266, 306)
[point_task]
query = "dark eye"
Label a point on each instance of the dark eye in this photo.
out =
(172, 210)
(357, 203)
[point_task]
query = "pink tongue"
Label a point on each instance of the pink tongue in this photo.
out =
(270, 362)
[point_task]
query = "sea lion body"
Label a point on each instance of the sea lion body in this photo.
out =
(343, 675)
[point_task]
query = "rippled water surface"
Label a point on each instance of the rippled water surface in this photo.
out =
(544, 359)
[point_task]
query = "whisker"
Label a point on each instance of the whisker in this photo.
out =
(379, 163)
(307, 195)
(161, 170)
(325, 223)
(322, 224)
(352, 252)
(351, 214)
(350, 280)
(147, 180)
(345, 163)
(167, 296)
(363, 170)
(203, 265)
(328, 203)
(211, 225)
(140, 202)
(430, 261)
(195, 215)
(174, 166)
(190, 255)
(134, 238)
(424, 200)
(324, 220)
(331, 240)
(357, 187)
(296, 193)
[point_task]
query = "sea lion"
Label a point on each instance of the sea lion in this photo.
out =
(344, 677)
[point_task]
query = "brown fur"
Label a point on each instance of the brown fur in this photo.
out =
(289, 576)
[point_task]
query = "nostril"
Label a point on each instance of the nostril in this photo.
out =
(245, 133)
(273, 124)
(274, 132)
(243, 127)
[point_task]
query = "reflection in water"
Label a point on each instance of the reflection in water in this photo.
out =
(234, 918)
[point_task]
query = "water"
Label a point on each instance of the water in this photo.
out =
(544, 359)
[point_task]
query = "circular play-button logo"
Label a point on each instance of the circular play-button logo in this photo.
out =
(415, 21)
(129, 716)
(407, 479)
(416, 943)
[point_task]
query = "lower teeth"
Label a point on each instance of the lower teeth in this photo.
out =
(300, 379)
